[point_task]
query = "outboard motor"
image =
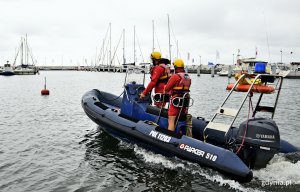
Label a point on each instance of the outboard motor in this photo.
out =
(260, 143)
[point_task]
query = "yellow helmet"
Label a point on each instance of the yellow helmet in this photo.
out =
(178, 63)
(155, 55)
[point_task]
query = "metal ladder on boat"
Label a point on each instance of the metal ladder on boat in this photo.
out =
(233, 112)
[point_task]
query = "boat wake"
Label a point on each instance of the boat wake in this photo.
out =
(195, 169)
(283, 170)
(281, 173)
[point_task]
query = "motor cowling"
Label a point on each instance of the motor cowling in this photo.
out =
(261, 142)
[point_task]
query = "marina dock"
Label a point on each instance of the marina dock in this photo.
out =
(119, 69)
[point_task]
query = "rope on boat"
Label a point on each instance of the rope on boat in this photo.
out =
(246, 130)
(111, 99)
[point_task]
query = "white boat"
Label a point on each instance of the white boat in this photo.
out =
(248, 65)
(226, 70)
(7, 70)
(292, 71)
(26, 67)
(26, 70)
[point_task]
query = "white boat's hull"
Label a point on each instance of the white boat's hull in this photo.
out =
(7, 71)
(293, 74)
(25, 71)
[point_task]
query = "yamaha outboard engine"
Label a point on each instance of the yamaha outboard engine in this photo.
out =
(261, 141)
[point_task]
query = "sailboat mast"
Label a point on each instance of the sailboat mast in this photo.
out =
(177, 49)
(169, 37)
(153, 36)
(21, 50)
(110, 44)
(101, 53)
(26, 50)
(267, 39)
(16, 56)
(124, 61)
(134, 44)
(96, 56)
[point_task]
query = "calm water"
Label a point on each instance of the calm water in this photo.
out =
(49, 144)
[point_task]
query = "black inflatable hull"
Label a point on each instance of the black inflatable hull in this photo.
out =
(106, 113)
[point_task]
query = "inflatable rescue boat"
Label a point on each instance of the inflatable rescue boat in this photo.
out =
(233, 151)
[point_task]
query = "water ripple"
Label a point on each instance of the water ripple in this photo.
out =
(49, 144)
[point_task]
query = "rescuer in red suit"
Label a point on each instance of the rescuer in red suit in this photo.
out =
(178, 85)
(160, 73)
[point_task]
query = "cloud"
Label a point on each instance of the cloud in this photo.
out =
(74, 29)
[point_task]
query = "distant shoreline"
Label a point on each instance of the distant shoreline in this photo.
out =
(191, 69)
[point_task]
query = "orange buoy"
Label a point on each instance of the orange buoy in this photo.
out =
(255, 88)
(45, 91)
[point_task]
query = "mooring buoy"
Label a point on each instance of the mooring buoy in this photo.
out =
(45, 91)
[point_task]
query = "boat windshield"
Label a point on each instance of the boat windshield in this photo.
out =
(135, 74)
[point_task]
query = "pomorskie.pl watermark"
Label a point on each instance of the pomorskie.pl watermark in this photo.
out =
(276, 183)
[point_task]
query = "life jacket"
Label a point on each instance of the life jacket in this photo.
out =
(166, 75)
(184, 84)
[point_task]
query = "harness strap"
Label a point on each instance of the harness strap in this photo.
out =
(161, 97)
(181, 102)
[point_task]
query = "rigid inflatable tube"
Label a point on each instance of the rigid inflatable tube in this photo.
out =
(128, 128)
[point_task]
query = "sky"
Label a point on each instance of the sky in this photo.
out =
(73, 32)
